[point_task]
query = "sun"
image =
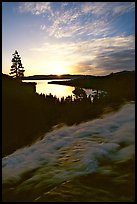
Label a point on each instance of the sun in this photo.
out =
(58, 68)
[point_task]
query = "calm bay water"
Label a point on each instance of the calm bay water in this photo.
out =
(56, 90)
(92, 161)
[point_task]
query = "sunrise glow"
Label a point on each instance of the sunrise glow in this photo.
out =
(57, 68)
(68, 101)
(69, 37)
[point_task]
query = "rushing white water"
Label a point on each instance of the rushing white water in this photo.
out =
(69, 152)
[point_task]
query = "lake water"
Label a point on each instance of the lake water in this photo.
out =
(56, 90)
(92, 161)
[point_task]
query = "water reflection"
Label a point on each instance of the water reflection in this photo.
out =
(61, 90)
(58, 90)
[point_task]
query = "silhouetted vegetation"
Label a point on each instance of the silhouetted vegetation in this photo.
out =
(118, 85)
(26, 115)
(17, 70)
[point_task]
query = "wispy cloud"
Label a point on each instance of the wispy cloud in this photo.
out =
(35, 8)
(123, 8)
(91, 37)
(106, 8)
(64, 28)
(106, 54)
(88, 18)
(109, 54)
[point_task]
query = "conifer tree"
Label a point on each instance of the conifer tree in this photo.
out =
(16, 70)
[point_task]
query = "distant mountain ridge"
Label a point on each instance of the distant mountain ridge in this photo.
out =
(70, 76)
(48, 77)
(91, 81)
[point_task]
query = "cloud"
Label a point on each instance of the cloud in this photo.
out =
(92, 18)
(35, 8)
(83, 34)
(94, 56)
(65, 24)
(42, 27)
(88, 35)
(74, 19)
(76, 9)
(116, 61)
(123, 8)
(96, 8)
(64, 28)
(116, 54)
(106, 8)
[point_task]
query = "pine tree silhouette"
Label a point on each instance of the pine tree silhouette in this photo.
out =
(16, 70)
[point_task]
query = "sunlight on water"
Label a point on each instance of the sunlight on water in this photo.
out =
(92, 161)
(56, 90)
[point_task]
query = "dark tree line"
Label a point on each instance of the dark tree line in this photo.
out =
(26, 115)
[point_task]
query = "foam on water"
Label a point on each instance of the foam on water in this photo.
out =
(68, 152)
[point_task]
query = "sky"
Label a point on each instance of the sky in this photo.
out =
(90, 38)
